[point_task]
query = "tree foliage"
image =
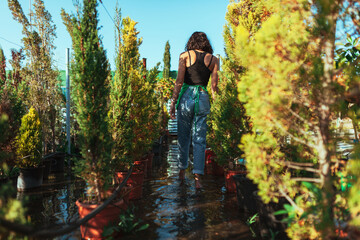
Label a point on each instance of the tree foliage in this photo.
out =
(39, 73)
(144, 110)
(11, 105)
(228, 120)
(291, 94)
(121, 97)
(164, 87)
(2, 67)
(166, 60)
(29, 141)
(90, 90)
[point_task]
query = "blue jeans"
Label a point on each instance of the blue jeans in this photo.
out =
(189, 120)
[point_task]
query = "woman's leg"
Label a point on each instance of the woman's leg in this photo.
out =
(185, 116)
(199, 134)
(199, 144)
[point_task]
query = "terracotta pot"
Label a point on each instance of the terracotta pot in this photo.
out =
(94, 228)
(30, 178)
(229, 181)
(123, 194)
(135, 181)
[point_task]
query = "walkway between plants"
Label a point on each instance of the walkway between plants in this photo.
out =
(172, 210)
(179, 211)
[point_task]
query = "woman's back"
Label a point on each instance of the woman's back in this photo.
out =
(199, 65)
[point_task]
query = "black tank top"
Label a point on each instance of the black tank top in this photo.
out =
(198, 73)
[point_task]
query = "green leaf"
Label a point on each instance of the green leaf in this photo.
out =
(109, 230)
(280, 212)
(143, 227)
(288, 207)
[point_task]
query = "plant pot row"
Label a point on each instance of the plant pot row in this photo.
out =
(212, 168)
(30, 178)
(133, 191)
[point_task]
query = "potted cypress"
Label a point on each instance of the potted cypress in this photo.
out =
(121, 102)
(90, 77)
(148, 116)
(133, 112)
(228, 122)
(29, 151)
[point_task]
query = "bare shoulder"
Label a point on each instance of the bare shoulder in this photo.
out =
(212, 60)
(183, 55)
(215, 59)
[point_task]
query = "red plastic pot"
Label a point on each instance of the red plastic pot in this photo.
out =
(94, 228)
(135, 181)
(217, 169)
(209, 156)
(229, 181)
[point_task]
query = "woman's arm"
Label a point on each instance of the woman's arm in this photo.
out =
(178, 84)
(215, 78)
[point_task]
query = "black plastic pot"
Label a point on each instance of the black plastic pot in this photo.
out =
(245, 191)
(250, 202)
(30, 178)
(58, 162)
(47, 167)
(269, 221)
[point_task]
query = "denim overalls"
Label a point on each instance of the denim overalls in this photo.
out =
(192, 109)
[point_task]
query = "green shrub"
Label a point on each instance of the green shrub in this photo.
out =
(29, 140)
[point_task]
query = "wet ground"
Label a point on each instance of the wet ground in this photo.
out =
(172, 210)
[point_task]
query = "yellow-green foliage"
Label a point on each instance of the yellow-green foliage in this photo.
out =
(229, 121)
(29, 140)
(286, 86)
(134, 107)
(353, 169)
(10, 209)
(267, 90)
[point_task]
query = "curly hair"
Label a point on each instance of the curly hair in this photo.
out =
(199, 40)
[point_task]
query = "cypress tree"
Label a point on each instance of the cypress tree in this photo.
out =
(2, 68)
(166, 59)
(121, 99)
(133, 105)
(143, 111)
(165, 87)
(90, 77)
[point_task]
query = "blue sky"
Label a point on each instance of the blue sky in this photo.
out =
(158, 22)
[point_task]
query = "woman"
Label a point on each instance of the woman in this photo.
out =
(191, 100)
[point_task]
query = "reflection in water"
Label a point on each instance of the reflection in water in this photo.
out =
(173, 210)
(54, 202)
(179, 211)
